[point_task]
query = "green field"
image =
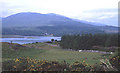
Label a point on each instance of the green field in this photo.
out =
(49, 52)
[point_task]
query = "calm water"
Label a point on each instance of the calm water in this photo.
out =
(29, 39)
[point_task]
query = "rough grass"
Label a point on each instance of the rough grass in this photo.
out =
(51, 53)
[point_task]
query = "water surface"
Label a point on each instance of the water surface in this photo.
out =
(30, 39)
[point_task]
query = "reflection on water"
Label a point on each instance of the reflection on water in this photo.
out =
(29, 39)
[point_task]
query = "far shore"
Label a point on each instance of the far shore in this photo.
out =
(22, 36)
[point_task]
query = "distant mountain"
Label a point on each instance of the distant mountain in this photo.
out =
(39, 24)
(92, 23)
(110, 29)
(37, 19)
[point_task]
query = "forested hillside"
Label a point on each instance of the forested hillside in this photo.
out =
(87, 41)
(40, 24)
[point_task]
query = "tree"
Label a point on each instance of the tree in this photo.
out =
(52, 40)
(87, 41)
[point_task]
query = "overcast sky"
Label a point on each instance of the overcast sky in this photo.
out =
(101, 11)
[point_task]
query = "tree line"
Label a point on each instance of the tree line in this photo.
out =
(87, 41)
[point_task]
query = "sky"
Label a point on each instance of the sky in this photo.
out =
(100, 11)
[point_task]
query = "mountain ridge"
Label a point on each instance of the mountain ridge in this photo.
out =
(29, 23)
(35, 19)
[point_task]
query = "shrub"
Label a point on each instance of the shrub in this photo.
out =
(78, 66)
(27, 64)
(115, 60)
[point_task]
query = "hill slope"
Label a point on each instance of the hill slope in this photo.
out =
(37, 19)
(39, 24)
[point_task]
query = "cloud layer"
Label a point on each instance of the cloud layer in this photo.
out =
(92, 10)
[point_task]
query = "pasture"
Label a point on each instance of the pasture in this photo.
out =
(45, 51)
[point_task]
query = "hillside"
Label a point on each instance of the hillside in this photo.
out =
(40, 24)
(37, 19)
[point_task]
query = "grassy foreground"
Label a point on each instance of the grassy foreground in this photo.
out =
(44, 51)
